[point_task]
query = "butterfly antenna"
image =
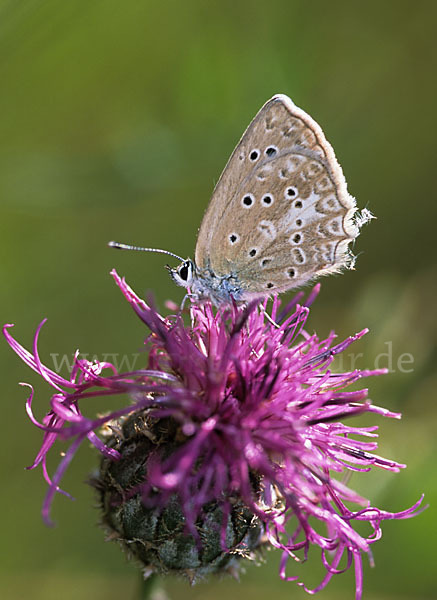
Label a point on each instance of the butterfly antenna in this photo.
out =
(129, 247)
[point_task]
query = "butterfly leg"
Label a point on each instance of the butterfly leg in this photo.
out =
(268, 317)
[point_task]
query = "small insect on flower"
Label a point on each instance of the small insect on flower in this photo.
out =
(279, 217)
(232, 438)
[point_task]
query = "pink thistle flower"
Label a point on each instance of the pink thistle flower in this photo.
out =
(232, 438)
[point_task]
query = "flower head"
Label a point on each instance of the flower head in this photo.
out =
(232, 437)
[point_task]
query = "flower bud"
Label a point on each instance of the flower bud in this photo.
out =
(153, 527)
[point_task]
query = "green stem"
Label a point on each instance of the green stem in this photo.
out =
(147, 587)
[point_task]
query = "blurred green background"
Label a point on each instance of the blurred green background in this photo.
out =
(116, 119)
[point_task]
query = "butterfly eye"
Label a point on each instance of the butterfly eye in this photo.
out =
(183, 274)
(254, 155)
(184, 271)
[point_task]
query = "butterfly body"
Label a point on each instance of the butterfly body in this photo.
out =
(280, 214)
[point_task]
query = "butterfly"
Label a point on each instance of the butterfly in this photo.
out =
(280, 214)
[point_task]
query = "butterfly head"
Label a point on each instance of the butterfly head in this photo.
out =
(184, 274)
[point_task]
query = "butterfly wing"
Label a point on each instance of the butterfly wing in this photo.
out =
(280, 213)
